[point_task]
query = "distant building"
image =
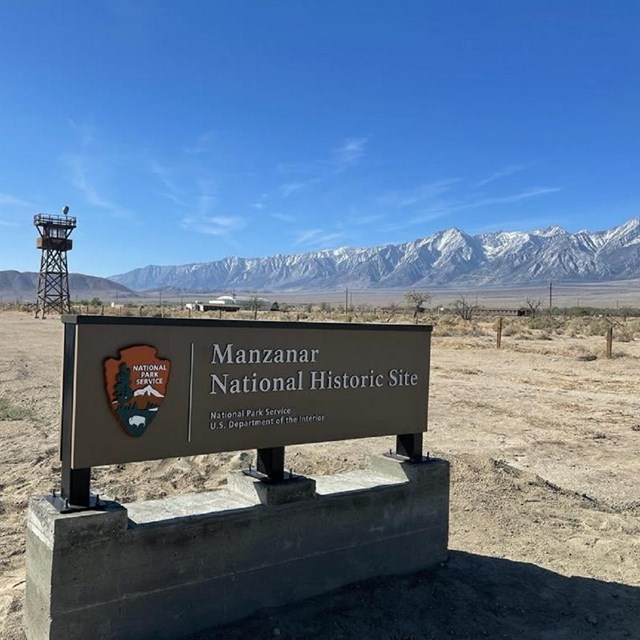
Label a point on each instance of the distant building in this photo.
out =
(234, 303)
(521, 312)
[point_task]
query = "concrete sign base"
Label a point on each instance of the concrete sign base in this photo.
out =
(162, 569)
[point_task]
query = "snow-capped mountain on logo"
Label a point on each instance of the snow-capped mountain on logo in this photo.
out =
(148, 391)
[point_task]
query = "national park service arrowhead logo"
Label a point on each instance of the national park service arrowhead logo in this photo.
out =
(136, 385)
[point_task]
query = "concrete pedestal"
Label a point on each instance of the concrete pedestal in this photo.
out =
(159, 570)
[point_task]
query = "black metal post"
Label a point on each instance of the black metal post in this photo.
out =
(271, 463)
(409, 445)
(76, 486)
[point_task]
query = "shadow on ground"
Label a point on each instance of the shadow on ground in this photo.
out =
(471, 596)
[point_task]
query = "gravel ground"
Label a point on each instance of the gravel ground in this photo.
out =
(545, 512)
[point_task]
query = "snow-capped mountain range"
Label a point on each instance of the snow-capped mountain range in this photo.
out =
(449, 257)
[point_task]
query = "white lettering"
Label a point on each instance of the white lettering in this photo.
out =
(401, 378)
(230, 355)
(253, 384)
(220, 357)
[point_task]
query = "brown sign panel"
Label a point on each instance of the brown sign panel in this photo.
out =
(145, 388)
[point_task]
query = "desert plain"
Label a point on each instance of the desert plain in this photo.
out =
(544, 440)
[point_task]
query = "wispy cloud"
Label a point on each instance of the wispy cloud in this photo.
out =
(349, 153)
(290, 188)
(85, 129)
(80, 179)
(316, 238)
(196, 195)
(419, 194)
(449, 207)
(260, 202)
(311, 167)
(420, 218)
(515, 197)
(220, 226)
(207, 198)
(508, 170)
(11, 202)
(359, 221)
(202, 143)
(283, 217)
(166, 177)
(8, 200)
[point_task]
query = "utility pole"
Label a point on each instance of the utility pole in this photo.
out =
(550, 295)
(346, 300)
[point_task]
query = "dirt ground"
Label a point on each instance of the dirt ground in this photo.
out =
(544, 442)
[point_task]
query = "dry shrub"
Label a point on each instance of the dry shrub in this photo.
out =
(509, 330)
(597, 326)
(12, 412)
(450, 325)
(440, 331)
(633, 325)
(576, 327)
(623, 335)
(546, 322)
(476, 330)
(446, 326)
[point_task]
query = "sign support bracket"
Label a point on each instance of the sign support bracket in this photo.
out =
(409, 445)
(76, 486)
(408, 448)
(270, 462)
(269, 465)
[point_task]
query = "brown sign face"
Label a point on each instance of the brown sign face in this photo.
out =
(177, 388)
(136, 385)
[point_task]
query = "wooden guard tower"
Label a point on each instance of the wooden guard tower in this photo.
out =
(54, 242)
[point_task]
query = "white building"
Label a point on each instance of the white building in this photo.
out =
(233, 303)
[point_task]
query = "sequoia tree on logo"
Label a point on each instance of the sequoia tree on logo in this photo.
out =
(136, 385)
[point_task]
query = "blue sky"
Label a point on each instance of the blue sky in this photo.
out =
(188, 131)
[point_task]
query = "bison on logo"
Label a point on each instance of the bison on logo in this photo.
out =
(136, 385)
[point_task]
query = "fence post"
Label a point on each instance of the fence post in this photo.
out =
(609, 342)
(499, 334)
